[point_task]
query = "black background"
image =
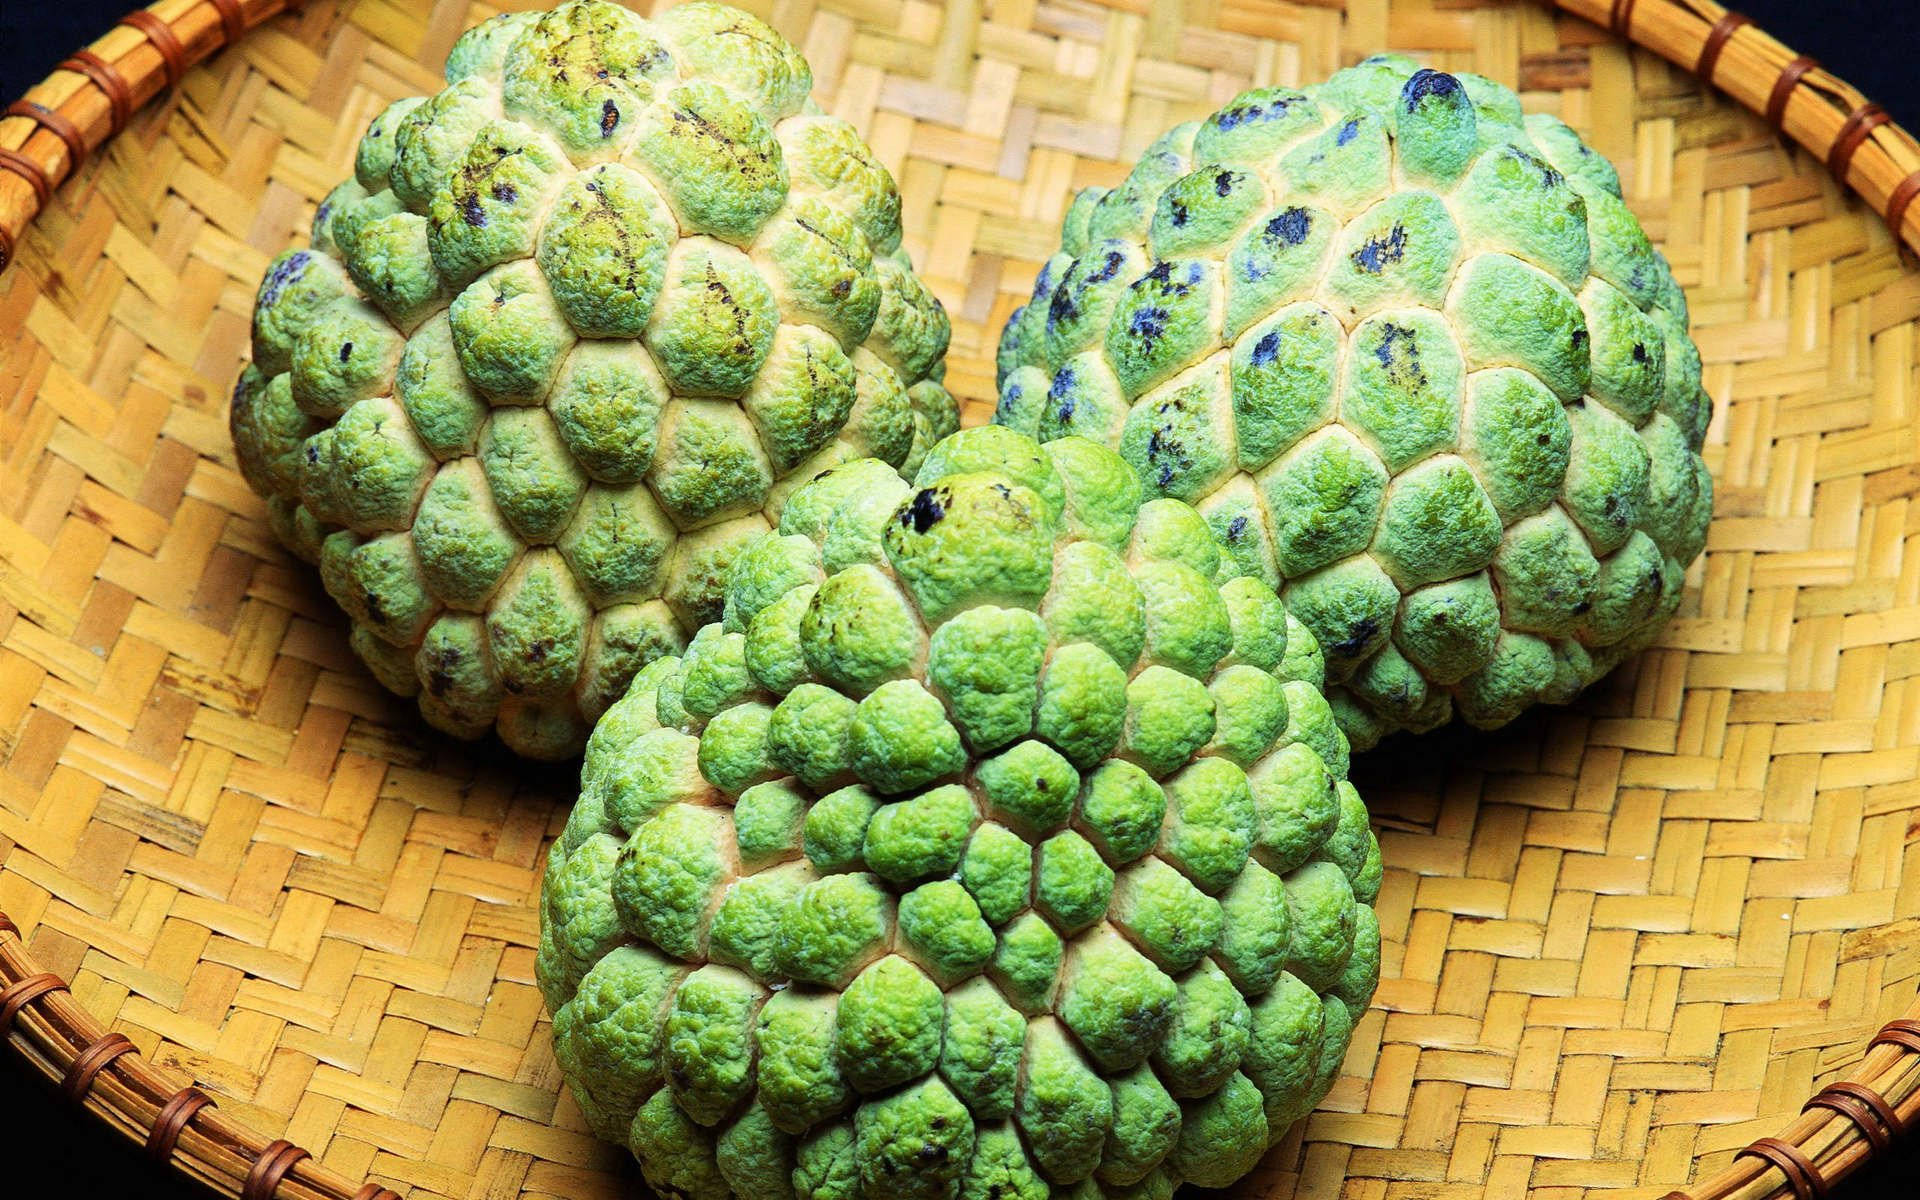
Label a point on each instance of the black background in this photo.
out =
(1869, 43)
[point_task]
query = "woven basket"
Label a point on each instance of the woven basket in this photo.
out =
(1625, 941)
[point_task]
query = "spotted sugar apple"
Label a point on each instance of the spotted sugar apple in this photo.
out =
(1410, 355)
(996, 840)
(563, 344)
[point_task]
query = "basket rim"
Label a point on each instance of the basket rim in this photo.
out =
(91, 96)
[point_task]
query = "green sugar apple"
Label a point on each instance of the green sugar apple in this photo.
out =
(563, 344)
(1410, 355)
(997, 841)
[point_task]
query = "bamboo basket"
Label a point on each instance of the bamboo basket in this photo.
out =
(256, 917)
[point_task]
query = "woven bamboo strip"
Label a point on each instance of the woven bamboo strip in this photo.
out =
(1624, 941)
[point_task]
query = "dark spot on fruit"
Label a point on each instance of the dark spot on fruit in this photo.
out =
(504, 192)
(537, 649)
(1247, 114)
(1237, 528)
(1109, 268)
(1347, 133)
(1640, 354)
(1579, 339)
(1290, 227)
(1223, 183)
(1167, 453)
(925, 511)
(1043, 282)
(841, 287)
(1266, 349)
(1378, 253)
(346, 351)
(472, 213)
(1179, 214)
(1399, 353)
(1149, 325)
(609, 118)
(1358, 635)
(1427, 82)
(288, 270)
(376, 611)
(313, 454)
(1062, 306)
(1009, 400)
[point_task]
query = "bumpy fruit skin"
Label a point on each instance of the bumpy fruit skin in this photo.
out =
(561, 347)
(1411, 356)
(995, 843)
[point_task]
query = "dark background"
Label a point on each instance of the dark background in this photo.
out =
(1869, 43)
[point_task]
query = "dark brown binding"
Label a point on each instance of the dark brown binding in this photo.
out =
(269, 1169)
(1730, 22)
(172, 1120)
(1620, 19)
(374, 1191)
(1805, 1180)
(173, 56)
(90, 1062)
(1901, 199)
(1902, 1032)
(1859, 126)
(16, 996)
(7, 925)
(110, 82)
(1790, 77)
(1866, 1108)
(233, 22)
(29, 170)
(55, 124)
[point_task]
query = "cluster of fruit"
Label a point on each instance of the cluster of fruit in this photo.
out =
(965, 814)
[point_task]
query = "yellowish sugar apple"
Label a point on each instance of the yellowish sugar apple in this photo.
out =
(1416, 363)
(996, 844)
(563, 344)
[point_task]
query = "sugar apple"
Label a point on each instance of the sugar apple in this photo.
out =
(562, 345)
(1417, 364)
(990, 844)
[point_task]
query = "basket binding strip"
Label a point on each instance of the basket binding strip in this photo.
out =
(96, 95)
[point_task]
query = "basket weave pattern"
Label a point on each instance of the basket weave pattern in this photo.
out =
(1624, 940)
